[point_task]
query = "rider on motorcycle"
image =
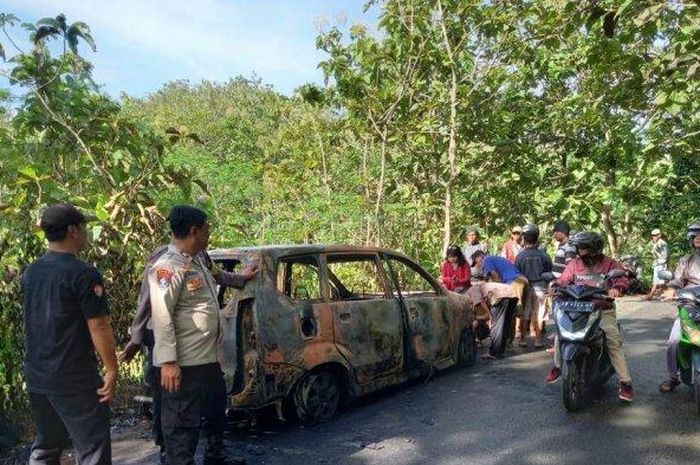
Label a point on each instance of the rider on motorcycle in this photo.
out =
(589, 268)
(687, 274)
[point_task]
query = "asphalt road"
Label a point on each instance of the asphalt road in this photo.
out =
(497, 413)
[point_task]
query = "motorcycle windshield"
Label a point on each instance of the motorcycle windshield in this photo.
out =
(572, 323)
(581, 291)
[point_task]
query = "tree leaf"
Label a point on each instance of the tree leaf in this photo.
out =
(43, 32)
(80, 29)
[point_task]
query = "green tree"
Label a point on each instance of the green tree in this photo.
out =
(67, 142)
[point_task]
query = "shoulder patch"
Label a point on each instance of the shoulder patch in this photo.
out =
(165, 277)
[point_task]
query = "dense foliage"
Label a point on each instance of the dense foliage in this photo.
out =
(65, 141)
(453, 112)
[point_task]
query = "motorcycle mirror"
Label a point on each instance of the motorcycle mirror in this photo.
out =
(666, 275)
(686, 294)
(616, 274)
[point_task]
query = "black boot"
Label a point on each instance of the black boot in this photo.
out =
(215, 452)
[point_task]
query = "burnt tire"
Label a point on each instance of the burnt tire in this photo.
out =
(466, 350)
(572, 386)
(317, 396)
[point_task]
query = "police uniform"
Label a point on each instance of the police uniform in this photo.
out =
(142, 334)
(185, 320)
(60, 294)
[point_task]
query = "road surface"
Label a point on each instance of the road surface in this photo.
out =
(497, 413)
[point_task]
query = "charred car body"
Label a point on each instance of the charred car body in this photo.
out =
(321, 324)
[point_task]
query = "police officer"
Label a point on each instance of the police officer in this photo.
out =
(185, 320)
(66, 318)
(142, 332)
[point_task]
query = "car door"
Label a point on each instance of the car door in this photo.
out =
(426, 307)
(367, 322)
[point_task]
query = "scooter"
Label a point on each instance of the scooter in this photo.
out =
(585, 360)
(689, 348)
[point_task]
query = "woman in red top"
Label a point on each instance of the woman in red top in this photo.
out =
(456, 274)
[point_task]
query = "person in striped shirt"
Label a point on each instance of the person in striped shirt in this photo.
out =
(565, 251)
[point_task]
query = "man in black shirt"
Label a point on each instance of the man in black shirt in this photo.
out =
(66, 318)
(532, 262)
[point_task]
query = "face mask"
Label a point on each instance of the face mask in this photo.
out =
(589, 259)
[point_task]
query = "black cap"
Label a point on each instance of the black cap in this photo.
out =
(56, 219)
(562, 227)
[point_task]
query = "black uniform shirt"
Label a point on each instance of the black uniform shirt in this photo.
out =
(60, 293)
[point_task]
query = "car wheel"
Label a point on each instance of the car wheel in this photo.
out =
(466, 352)
(317, 396)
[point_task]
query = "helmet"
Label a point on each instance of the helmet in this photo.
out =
(588, 240)
(531, 232)
(693, 230)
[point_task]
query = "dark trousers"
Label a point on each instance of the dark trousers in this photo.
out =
(60, 418)
(152, 375)
(502, 330)
(202, 394)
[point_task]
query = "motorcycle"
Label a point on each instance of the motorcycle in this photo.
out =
(689, 348)
(586, 363)
(634, 270)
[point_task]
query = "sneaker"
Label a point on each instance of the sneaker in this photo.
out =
(553, 375)
(626, 392)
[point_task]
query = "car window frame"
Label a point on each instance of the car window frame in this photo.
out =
(320, 273)
(381, 273)
(387, 257)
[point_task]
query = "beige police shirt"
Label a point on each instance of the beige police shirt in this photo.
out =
(184, 310)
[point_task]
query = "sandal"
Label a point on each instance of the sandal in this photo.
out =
(669, 385)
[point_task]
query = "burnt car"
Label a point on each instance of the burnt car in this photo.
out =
(323, 324)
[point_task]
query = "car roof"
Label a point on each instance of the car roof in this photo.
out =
(297, 249)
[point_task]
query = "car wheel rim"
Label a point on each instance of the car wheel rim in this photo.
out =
(321, 395)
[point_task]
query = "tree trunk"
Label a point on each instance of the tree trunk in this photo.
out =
(365, 177)
(606, 216)
(324, 180)
(452, 161)
(379, 206)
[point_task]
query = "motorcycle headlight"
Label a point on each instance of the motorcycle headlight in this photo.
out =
(580, 332)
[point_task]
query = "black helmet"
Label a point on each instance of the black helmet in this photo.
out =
(693, 230)
(531, 232)
(588, 240)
